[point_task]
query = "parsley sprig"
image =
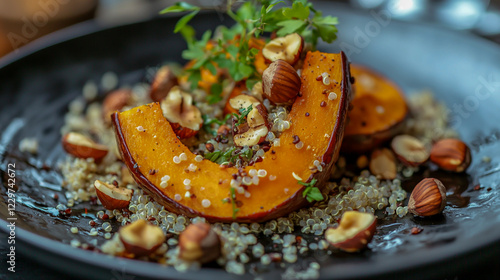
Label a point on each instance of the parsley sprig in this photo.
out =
(311, 193)
(231, 49)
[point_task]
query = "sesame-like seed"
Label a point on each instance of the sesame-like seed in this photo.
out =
(286, 190)
(192, 167)
(177, 160)
(272, 177)
(240, 190)
(247, 181)
(107, 235)
(183, 156)
(326, 81)
(380, 109)
(177, 197)
(299, 145)
(74, 230)
(187, 187)
(205, 203)
(262, 173)
(75, 243)
(297, 177)
(332, 96)
(247, 194)
(276, 142)
(187, 194)
(187, 182)
(198, 158)
(140, 128)
(252, 172)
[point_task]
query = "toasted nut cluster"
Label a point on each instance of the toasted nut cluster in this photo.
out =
(254, 131)
(115, 101)
(288, 48)
(111, 196)
(409, 150)
(141, 238)
(163, 82)
(281, 83)
(81, 146)
(198, 242)
(451, 154)
(354, 232)
(383, 164)
(427, 198)
(184, 117)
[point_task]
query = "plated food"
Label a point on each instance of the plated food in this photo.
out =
(311, 220)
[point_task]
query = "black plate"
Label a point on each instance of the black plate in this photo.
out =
(463, 71)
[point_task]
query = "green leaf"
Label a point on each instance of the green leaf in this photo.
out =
(290, 26)
(179, 7)
(188, 34)
(298, 10)
(250, 83)
(270, 7)
(194, 78)
(314, 195)
(184, 20)
(215, 93)
(243, 114)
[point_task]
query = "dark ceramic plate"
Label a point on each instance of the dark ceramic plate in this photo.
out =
(38, 82)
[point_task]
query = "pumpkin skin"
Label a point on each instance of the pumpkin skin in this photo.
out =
(378, 111)
(322, 131)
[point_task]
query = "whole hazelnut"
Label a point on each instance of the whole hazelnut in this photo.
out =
(280, 83)
(451, 154)
(427, 198)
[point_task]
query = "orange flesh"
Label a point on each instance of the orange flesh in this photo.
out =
(378, 104)
(321, 132)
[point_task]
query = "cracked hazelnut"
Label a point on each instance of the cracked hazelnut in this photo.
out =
(184, 117)
(111, 196)
(82, 146)
(141, 238)
(354, 232)
(288, 48)
(383, 164)
(198, 242)
(409, 150)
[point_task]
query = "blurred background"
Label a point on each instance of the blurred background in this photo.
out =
(22, 21)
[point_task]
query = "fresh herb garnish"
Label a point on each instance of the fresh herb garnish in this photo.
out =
(233, 202)
(243, 114)
(311, 193)
(207, 123)
(220, 157)
(232, 48)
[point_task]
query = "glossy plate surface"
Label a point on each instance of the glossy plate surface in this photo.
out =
(37, 84)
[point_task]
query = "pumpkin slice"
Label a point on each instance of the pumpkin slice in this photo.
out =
(149, 154)
(378, 111)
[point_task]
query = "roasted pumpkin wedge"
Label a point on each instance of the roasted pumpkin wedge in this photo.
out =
(378, 111)
(317, 120)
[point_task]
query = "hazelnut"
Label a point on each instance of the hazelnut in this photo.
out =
(288, 48)
(280, 83)
(184, 117)
(82, 146)
(111, 196)
(115, 101)
(250, 137)
(198, 242)
(141, 238)
(383, 164)
(354, 232)
(451, 154)
(427, 198)
(409, 150)
(257, 91)
(163, 82)
(254, 131)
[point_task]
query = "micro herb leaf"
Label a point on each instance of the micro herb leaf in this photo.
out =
(184, 21)
(311, 193)
(243, 114)
(290, 26)
(179, 7)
